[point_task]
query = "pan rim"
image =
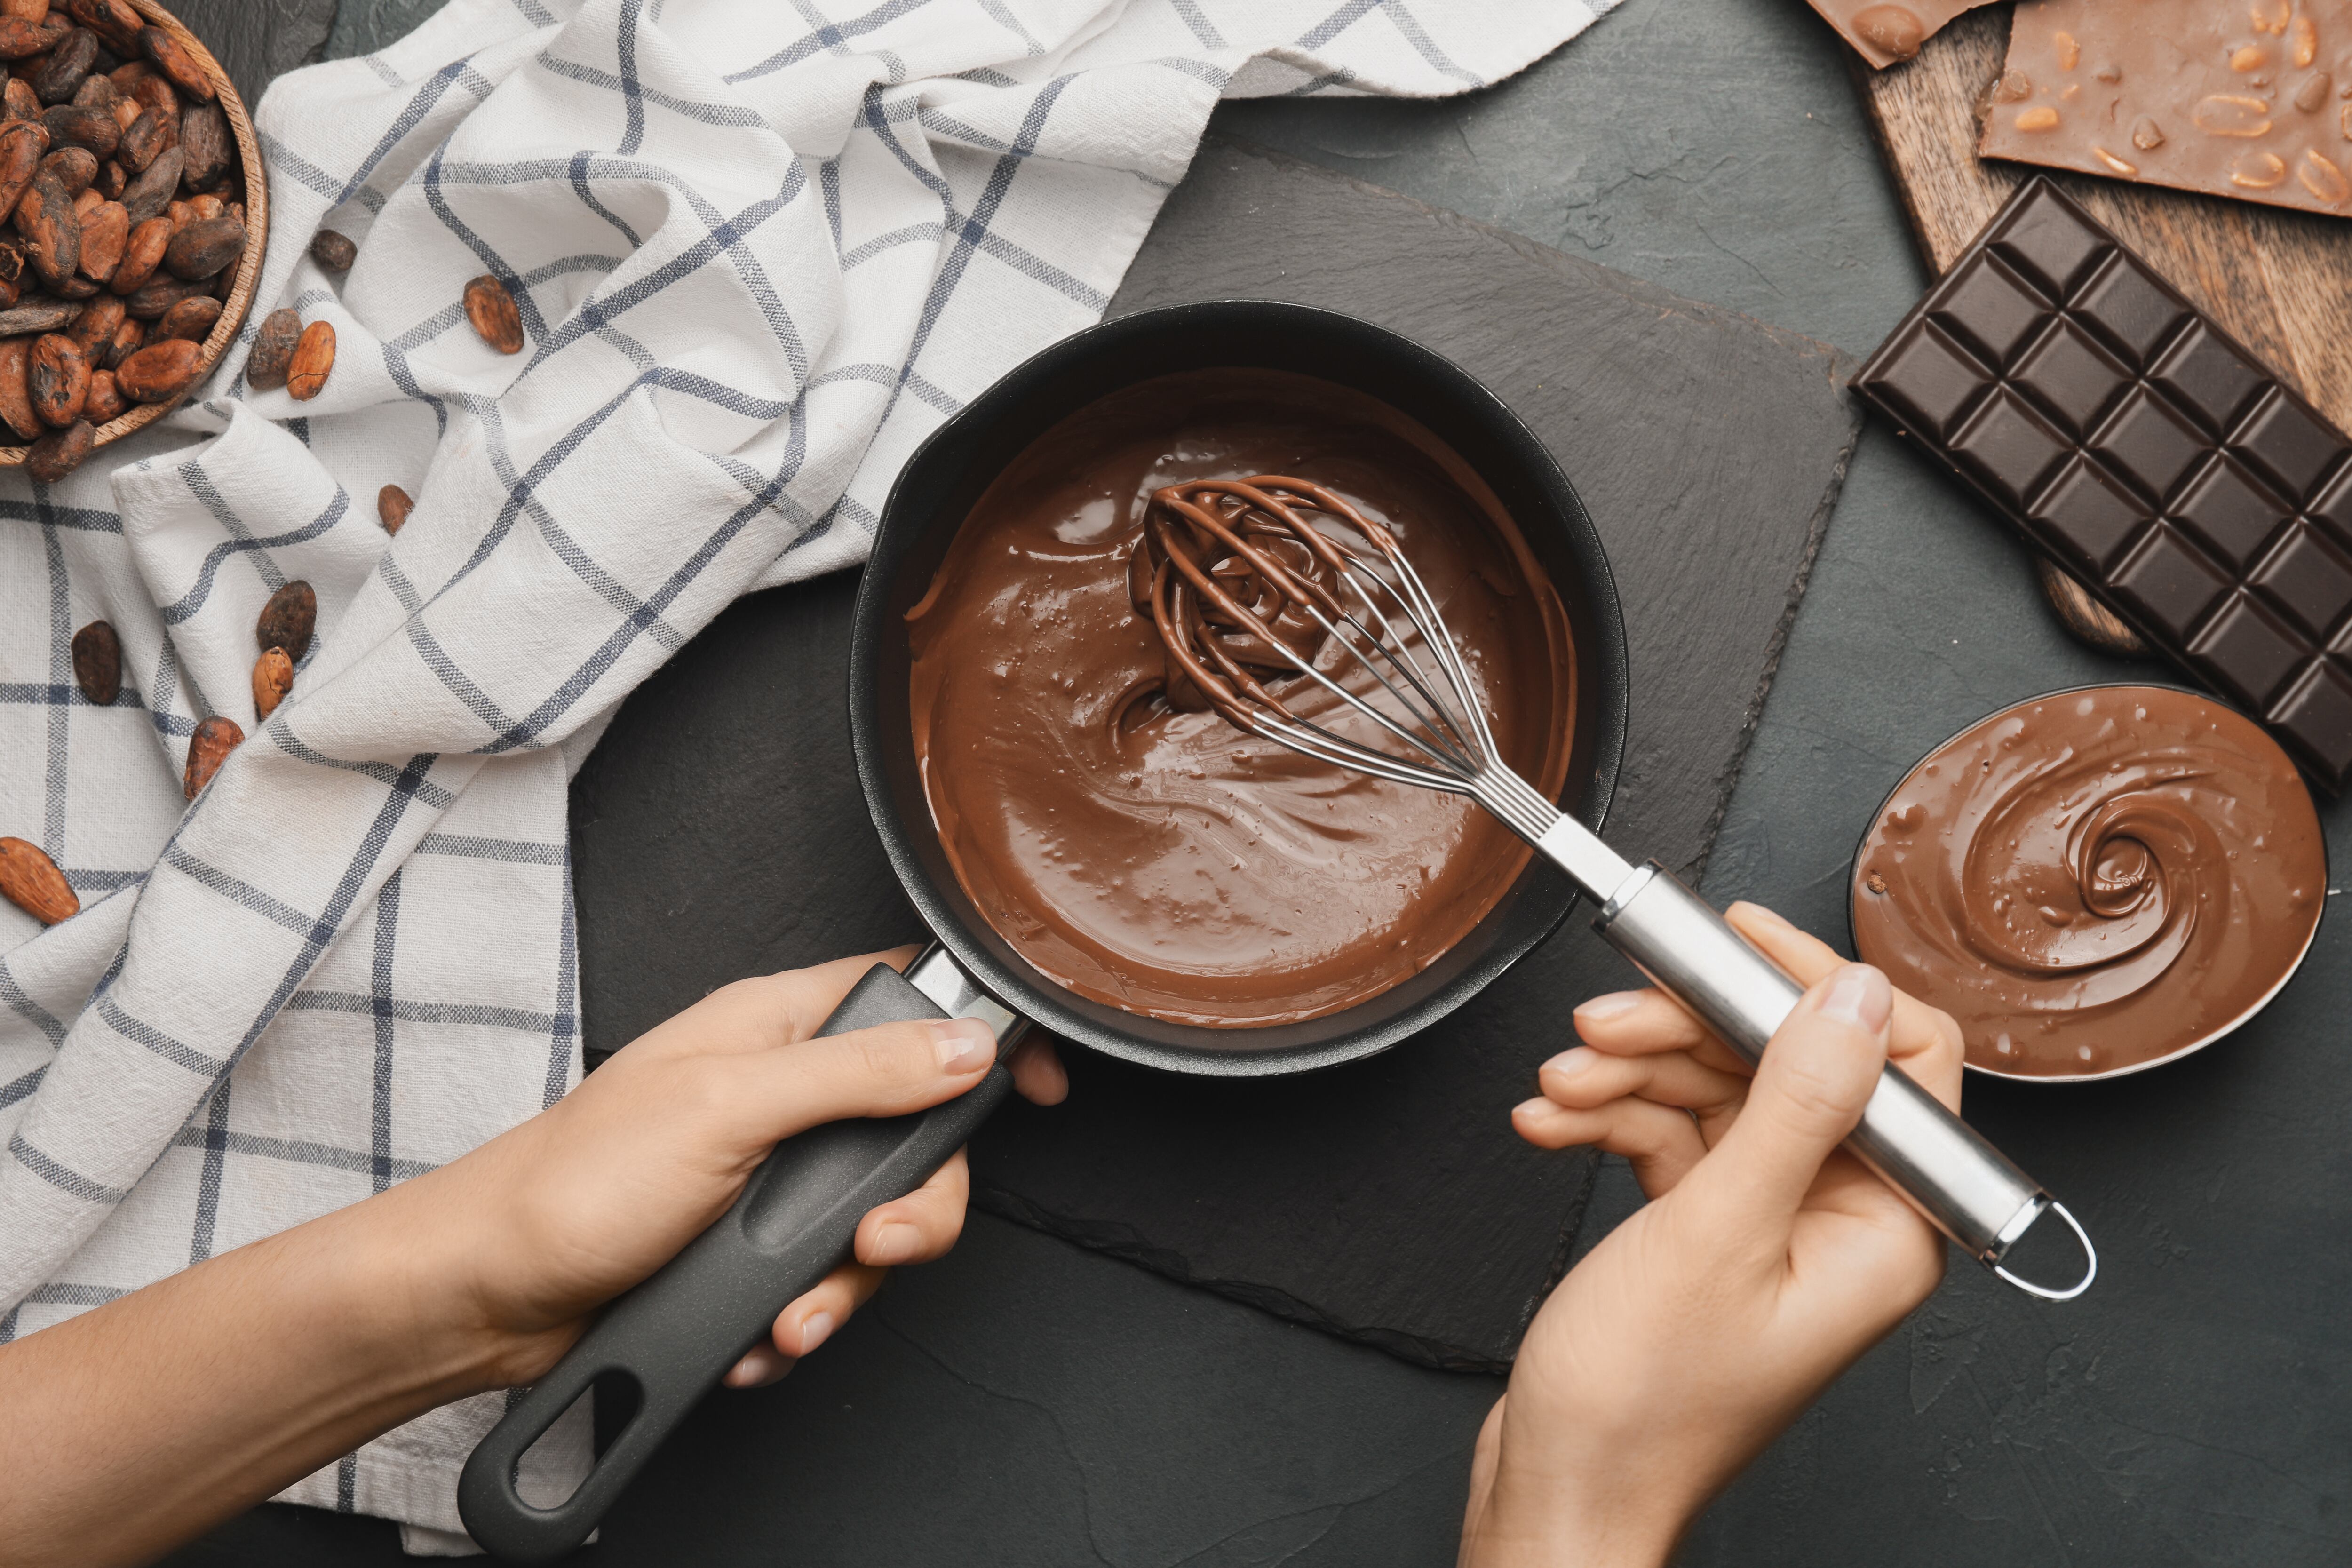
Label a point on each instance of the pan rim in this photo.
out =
(1040, 999)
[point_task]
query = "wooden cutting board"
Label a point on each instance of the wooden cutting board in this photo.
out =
(2280, 282)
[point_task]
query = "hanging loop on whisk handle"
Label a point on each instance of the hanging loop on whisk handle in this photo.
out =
(1965, 1187)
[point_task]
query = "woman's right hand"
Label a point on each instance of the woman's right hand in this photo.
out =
(1766, 1262)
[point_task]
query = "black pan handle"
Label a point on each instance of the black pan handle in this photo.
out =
(677, 1334)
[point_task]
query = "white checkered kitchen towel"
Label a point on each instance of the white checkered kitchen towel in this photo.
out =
(760, 249)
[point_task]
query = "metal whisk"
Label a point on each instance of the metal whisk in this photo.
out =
(1247, 580)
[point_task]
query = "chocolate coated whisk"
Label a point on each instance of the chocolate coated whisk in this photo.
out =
(1247, 580)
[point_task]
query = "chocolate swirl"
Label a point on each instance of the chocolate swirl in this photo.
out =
(2093, 880)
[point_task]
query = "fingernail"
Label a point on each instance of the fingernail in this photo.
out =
(965, 1045)
(1859, 995)
(813, 1330)
(1769, 917)
(1611, 1006)
(893, 1244)
(1571, 1064)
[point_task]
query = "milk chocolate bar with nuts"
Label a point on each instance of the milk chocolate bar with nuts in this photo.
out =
(1889, 31)
(2249, 98)
(2128, 437)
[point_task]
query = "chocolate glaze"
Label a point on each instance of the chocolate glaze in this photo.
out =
(2093, 880)
(1150, 857)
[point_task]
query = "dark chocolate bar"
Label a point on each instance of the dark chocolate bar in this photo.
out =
(2128, 436)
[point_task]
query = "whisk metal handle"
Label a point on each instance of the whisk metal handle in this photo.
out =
(1965, 1187)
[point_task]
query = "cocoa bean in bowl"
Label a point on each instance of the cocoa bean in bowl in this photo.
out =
(134, 215)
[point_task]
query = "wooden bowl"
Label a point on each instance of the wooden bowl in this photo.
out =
(248, 266)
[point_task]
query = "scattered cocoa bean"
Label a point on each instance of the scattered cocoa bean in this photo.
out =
(26, 10)
(57, 376)
(204, 206)
(143, 253)
(52, 233)
(204, 137)
(273, 678)
(171, 59)
(21, 38)
(392, 507)
(203, 246)
(492, 310)
(31, 880)
(71, 58)
(15, 392)
(93, 128)
(148, 193)
(97, 663)
(159, 371)
(127, 341)
(96, 92)
(20, 100)
(95, 323)
(59, 452)
(23, 144)
(161, 293)
(37, 316)
(333, 251)
(190, 318)
(287, 620)
(105, 235)
(73, 166)
(215, 739)
(115, 23)
(124, 76)
(314, 357)
(105, 401)
(151, 92)
(273, 351)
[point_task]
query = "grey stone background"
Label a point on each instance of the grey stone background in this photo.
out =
(1027, 1403)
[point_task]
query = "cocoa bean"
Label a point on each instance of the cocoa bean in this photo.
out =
(125, 110)
(151, 188)
(273, 351)
(84, 201)
(93, 128)
(31, 880)
(161, 293)
(492, 310)
(37, 316)
(95, 92)
(151, 92)
(314, 358)
(16, 394)
(178, 213)
(127, 339)
(21, 39)
(204, 137)
(59, 452)
(203, 246)
(333, 251)
(23, 144)
(273, 678)
(52, 233)
(190, 318)
(204, 206)
(58, 377)
(160, 371)
(71, 58)
(143, 253)
(392, 507)
(20, 100)
(97, 663)
(105, 233)
(216, 738)
(105, 401)
(147, 137)
(173, 60)
(123, 76)
(75, 167)
(115, 23)
(95, 323)
(26, 10)
(75, 288)
(287, 620)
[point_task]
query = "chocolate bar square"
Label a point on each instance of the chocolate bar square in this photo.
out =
(2132, 440)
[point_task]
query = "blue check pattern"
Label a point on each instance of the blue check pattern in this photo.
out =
(759, 252)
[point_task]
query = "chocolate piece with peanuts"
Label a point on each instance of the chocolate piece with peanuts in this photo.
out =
(1886, 32)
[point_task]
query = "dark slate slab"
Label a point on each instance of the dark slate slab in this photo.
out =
(718, 832)
(256, 41)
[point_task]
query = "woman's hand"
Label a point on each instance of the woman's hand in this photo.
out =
(581, 1201)
(1767, 1261)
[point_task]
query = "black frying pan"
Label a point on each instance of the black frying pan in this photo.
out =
(666, 1342)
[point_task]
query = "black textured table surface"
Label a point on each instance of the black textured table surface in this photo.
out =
(1025, 1401)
